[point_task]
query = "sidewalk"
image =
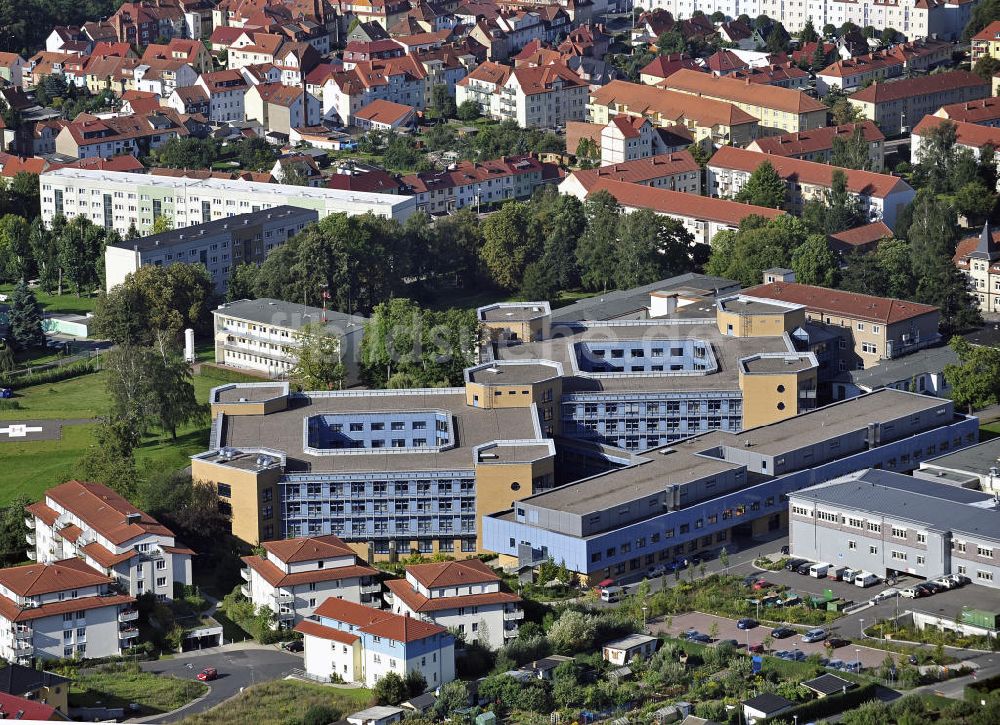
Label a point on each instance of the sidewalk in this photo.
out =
(231, 647)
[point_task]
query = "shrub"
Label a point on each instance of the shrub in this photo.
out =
(320, 715)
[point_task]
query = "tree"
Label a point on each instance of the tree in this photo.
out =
(671, 42)
(838, 210)
(468, 111)
(840, 107)
(814, 263)
(511, 244)
(829, 30)
(416, 683)
(453, 696)
(111, 461)
(161, 224)
(541, 281)
(975, 380)
(443, 102)
(983, 14)
(975, 201)
(650, 247)
(777, 39)
(851, 152)
(45, 253)
(808, 33)
(186, 152)
(254, 154)
(572, 632)
(7, 361)
(242, 282)
(320, 714)
(986, 67)
(319, 365)
(25, 319)
(587, 149)
(15, 247)
(390, 689)
(81, 251)
(173, 399)
(13, 549)
(818, 61)
(595, 252)
(895, 258)
(764, 188)
(757, 245)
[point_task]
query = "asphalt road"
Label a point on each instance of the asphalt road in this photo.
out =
(238, 667)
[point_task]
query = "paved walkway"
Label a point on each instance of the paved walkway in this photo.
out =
(45, 429)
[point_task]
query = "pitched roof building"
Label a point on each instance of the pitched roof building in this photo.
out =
(899, 105)
(979, 258)
(817, 144)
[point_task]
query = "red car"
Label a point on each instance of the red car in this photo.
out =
(208, 674)
(762, 584)
(757, 648)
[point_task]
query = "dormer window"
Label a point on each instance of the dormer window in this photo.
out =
(319, 564)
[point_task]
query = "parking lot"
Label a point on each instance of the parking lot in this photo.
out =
(727, 630)
(803, 584)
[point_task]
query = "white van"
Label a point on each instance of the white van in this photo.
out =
(819, 570)
(866, 579)
(611, 594)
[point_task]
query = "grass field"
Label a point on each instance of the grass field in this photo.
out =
(31, 468)
(68, 303)
(117, 688)
(988, 431)
(281, 701)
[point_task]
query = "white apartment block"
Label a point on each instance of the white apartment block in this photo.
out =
(296, 575)
(539, 97)
(674, 171)
(116, 200)
(219, 245)
(627, 138)
(458, 595)
(226, 90)
(362, 644)
(262, 335)
(63, 609)
(913, 18)
(91, 522)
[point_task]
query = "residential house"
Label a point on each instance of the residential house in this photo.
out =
(63, 609)
(192, 52)
(895, 107)
(969, 136)
(881, 196)
(702, 216)
(717, 122)
(190, 100)
(629, 138)
(482, 85)
(465, 595)
(544, 97)
(979, 258)
(139, 103)
(674, 171)
(94, 523)
(292, 576)
(622, 651)
(382, 115)
(984, 112)
(986, 43)
(225, 90)
(776, 109)
(253, 48)
(362, 644)
(817, 145)
(763, 707)
(782, 75)
(280, 108)
(862, 239)
(90, 136)
(871, 328)
(400, 80)
(163, 76)
(12, 68)
(142, 23)
(39, 686)
(300, 169)
(474, 183)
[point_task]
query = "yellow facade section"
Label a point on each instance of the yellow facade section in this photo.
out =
(736, 324)
(770, 397)
(499, 485)
(249, 492)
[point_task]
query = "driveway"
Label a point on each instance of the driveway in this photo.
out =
(239, 666)
(727, 630)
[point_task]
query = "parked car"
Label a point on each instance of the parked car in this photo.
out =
(946, 582)
(756, 648)
(960, 579)
(208, 674)
(746, 623)
(798, 655)
(835, 664)
(611, 594)
(782, 632)
(935, 587)
(761, 584)
(803, 569)
(865, 579)
(294, 645)
(885, 594)
(835, 642)
(794, 564)
(732, 642)
(657, 571)
(699, 637)
(782, 654)
(927, 588)
(817, 634)
(911, 593)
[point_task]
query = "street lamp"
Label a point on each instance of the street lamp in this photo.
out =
(644, 610)
(857, 655)
(862, 620)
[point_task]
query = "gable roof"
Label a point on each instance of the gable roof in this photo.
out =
(35, 579)
(105, 511)
(885, 310)
(640, 170)
(275, 577)
(966, 134)
(920, 86)
(20, 708)
(782, 99)
(308, 548)
(864, 234)
(452, 573)
(419, 603)
(20, 680)
(818, 139)
(673, 105)
(868, 183)
(383, 111)
(990, 32)
(663, 66)
(978, 111)
(378, 622)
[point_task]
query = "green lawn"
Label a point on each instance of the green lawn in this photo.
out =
(119, 687)
(31, 468)
(281, 701)
(80, 397)
(68, 303)
(988, 431)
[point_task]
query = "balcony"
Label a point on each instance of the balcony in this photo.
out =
(513, 616)
(128, 615)
(127, 633)
(30, 538)
(510, 633)
(283, 597)
(23, 634)
(245, 591)
(245, 573)
(23, 649)
(32, 555)
(29, 521)
(285, 614)
(373, 588)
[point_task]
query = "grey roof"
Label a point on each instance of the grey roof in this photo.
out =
(376, 712)
(623, 303)
(18, 679)
(268, 311)
(632, 640)
(986, 248)
(897, 370)
(420, 703)
(977, 459)
(828, 684)
(184, 235)
(937, 506)
(768, 703)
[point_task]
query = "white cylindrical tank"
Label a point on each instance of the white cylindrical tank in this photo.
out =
(189, 345)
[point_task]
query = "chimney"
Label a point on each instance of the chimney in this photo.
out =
(133, 518)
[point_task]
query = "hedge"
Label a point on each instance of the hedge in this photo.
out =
(53, 375)
(974, 692)
(829, 705)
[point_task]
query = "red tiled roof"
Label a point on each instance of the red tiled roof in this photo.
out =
(277, 578)
(378, 622)
(724, 61)
(920, 86)
(534, 81)
(990, 32)
(105, 511)
(452, 573)
(640, 171)
(9, 610)
(966, 134)
(315, 629)
(488, 72)
(419, 603)
(71, 533)
(979, 111)
(865, 234)
(847, 304)
(383, 111)
(20, 708)
(308, 548)
(106, 558)
(34, 579)
(729, 89)
(468, 172)
(40, 510)
(806, 172)
(663, 66)
(678, 203)
(818, 139)
(671, 105)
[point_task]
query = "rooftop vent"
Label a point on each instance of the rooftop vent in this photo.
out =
(133, 518)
